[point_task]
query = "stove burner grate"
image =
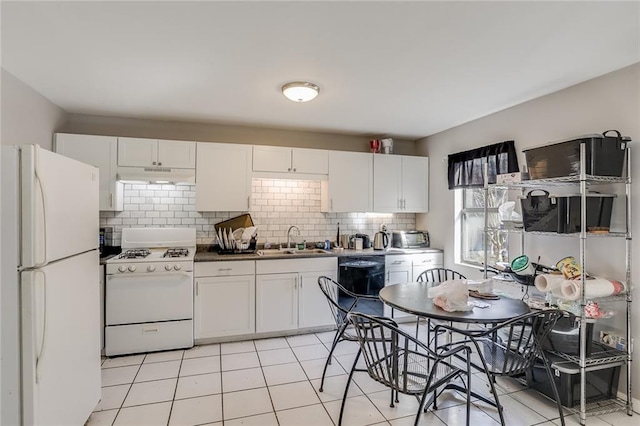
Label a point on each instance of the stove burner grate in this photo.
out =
(176, 252)
(134, 254)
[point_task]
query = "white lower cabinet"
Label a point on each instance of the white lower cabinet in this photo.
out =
(276, 302)
(406, 268)
(225, 299)
(424, 261)
(398, 270)
(288, 296)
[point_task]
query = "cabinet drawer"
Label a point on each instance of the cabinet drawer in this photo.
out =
(284, 266)
(225, 268)
(148, 337)
(398, 261)
(428, 260)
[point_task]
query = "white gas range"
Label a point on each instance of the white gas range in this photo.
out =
(149, 291)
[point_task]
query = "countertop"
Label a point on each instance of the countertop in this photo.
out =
(205, 254)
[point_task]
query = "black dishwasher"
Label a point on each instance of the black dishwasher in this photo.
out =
(362, 275)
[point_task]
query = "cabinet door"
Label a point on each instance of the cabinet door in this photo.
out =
(398, 270)
(315, 161)
(387, 183)
(101, 152)
(276, 302)
(422, 262)
(271, 159)
(350, 184)
(177, 154)
(313, 308)
(224, 306)
(137, 152)
(415, 184)
(223, 177)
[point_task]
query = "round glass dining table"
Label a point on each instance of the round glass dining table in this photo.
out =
(413, 298)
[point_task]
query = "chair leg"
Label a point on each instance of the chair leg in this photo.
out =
(336, 339)
(491, 379)
(556, 395)
(468, 385)
(346, 388)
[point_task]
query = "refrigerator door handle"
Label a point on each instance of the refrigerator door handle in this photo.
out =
(43, 339)
(44, 214)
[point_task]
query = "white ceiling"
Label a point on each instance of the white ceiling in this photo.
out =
(402, 69)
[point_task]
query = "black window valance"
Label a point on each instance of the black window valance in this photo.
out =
(466, 169)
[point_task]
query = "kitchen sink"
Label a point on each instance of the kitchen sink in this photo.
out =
(292, 252)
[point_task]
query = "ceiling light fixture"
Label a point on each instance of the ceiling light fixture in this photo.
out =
(300, 91)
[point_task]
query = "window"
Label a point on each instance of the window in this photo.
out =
(468, 173)
(470, 244)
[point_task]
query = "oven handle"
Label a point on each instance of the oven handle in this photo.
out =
(150, 275)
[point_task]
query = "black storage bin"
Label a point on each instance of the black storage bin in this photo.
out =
(599, 207)
(561, 214)
(600, 384)
(604, 156)
(539, 211)
(565, 337)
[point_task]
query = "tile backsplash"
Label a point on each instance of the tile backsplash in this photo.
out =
(276, 204)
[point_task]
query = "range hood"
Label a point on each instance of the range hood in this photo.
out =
(156, 175)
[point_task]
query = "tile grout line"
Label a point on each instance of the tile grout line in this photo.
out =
(129, 390)
(175, 390)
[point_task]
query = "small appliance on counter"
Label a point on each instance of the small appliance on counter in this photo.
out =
(410, 239)
(366, 241)
(381, 240)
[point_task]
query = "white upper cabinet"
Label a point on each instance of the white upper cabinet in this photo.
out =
(278, 159)
(101, 152)
(387, 183)
(401, 184)
(140, 152)
(415, 184)
(178, 154)
(313, 161)
(350, 184)
(223, 177)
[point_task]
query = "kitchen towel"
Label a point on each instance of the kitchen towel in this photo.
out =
(596, 287)
(550, 283)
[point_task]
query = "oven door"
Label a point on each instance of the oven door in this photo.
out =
(139, 298)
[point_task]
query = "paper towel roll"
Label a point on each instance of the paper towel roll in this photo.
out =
(549, 283)
(596, 287)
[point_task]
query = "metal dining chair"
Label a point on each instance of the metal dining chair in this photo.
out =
(436, 275)
(510, 348)
(403, 363)
(332, 292)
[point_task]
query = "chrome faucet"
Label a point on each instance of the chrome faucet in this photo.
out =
(289, 234)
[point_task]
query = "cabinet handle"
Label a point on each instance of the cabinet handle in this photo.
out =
(197, 288)
(289, 169)
(398, 262)
(154, 163)
(248, 201)
(150, 330)
(399, 203)
(159, 163)
(111, 199)
(295, 283)
(294, 169)
(224, 269)
(332, 204)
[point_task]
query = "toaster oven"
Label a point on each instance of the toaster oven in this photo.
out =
(410, 239)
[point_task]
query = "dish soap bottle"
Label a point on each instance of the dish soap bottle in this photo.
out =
(338, 236)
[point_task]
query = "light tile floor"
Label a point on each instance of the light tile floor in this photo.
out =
(276, 381)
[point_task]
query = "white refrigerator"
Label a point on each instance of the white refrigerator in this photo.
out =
(49, 289)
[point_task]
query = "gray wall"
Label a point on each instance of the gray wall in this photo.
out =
(203, 132)
(611, 101)
(27, 116)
